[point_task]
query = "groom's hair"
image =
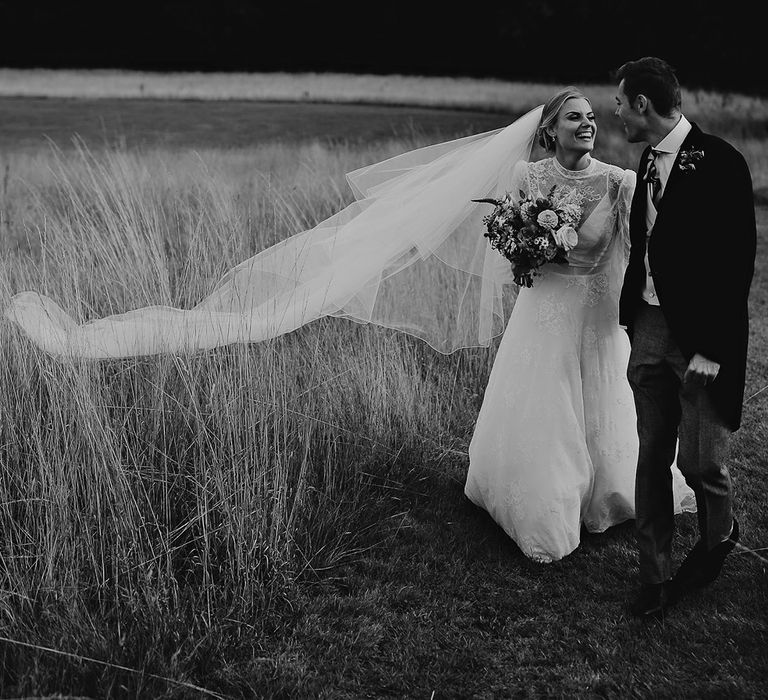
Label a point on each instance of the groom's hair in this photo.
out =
(654, 78)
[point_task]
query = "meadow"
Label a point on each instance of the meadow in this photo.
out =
(442, 92)
(287, 519)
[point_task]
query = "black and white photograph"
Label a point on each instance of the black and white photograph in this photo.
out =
(383, 351)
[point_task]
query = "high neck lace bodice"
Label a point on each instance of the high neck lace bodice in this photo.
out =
(574, 174)
(595, 189)
(594, 182)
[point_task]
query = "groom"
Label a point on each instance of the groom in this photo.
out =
(684, 304)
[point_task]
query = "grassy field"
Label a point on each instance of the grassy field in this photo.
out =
(287, 519)
(31, 123)
(459, 93)
(171, 111)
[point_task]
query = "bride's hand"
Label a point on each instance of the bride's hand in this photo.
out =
(701, 370)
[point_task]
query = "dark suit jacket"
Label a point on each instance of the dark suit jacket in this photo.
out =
(701, 254)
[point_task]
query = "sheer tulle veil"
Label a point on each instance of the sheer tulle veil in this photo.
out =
(407, 254)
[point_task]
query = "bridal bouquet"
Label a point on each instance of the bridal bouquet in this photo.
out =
(530, 231)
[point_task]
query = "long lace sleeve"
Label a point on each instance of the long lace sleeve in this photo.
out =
(624, 203)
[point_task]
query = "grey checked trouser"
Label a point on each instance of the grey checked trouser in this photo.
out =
(668, 409)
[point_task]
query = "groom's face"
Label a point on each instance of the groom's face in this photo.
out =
(634, 121)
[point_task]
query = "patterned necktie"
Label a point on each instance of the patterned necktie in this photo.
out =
(652, 177)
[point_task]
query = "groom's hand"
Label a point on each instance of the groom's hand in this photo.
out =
(701, 371)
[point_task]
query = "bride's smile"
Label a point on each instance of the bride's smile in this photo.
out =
(572, 132)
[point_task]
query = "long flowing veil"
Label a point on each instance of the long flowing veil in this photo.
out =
(408, 254)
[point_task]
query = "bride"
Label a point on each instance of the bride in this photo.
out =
(555, 443)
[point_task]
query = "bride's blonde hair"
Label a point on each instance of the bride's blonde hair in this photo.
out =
(551, 110)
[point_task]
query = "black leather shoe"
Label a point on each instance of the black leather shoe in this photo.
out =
(713, 562)
(690, 569)
(652, 601)
(701, 567)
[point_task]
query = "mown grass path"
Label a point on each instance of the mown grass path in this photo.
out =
(27, 122)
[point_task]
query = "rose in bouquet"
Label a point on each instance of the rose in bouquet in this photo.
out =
(532, 231)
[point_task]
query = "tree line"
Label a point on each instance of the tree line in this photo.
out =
(711, 45)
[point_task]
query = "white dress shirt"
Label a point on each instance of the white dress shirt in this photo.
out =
(666, 150)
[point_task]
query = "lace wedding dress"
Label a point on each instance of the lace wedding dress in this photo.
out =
(555, 443)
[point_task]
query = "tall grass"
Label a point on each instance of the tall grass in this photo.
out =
(153, 507)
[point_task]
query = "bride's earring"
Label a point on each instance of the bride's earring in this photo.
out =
(552, 138)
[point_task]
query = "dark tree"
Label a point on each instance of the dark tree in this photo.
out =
(712, 45)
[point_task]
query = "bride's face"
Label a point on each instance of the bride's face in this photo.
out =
(575, 128)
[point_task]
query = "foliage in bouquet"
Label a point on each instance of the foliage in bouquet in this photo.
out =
(532, 231)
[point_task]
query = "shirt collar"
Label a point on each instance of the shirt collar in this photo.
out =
(674, 139)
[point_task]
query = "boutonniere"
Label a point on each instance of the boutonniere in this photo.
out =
(687, 159)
